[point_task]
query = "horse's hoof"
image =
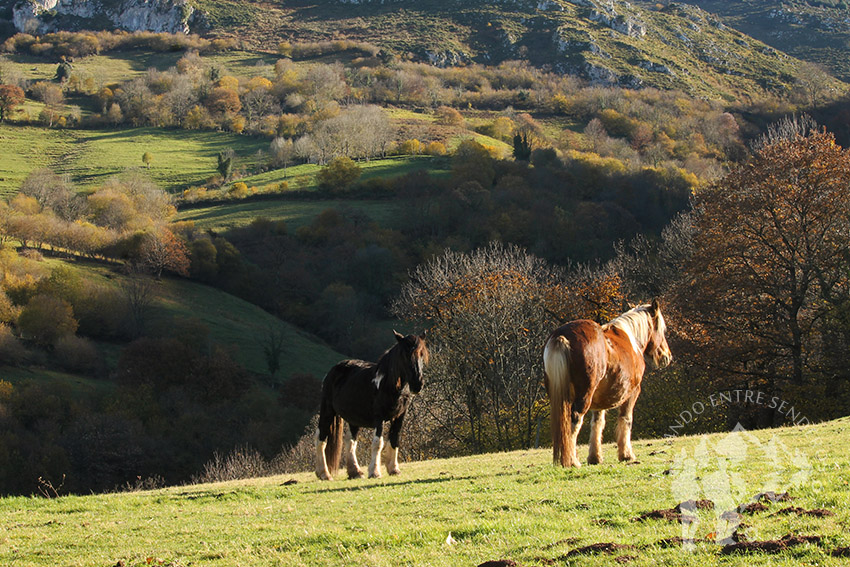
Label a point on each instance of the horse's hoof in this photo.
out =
(324, 476)
(355, 474)
(594, 460)
(394, 472)
(374, 474)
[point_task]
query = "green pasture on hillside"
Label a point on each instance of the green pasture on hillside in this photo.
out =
(242, 325)
(220, 218)
(302, 177)
(109, 69)
(229, 320)
(460, 512)
(181, 158)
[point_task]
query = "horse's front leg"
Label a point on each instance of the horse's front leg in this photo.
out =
(624, 429)
(377, 447)
(395, 431)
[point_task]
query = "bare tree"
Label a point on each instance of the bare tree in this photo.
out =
(138, 292)
(282, 151)
(486, 316)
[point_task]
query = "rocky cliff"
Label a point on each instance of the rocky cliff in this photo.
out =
(43, 16)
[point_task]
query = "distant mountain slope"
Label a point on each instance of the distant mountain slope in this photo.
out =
(609, 42)
(813, 30)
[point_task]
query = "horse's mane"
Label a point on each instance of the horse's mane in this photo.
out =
(392, 362)
(637, 324)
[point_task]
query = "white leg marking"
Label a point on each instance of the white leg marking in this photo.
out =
(321, 464)
(392, 463)
(375, 463)
(574, 440)
(352, 465)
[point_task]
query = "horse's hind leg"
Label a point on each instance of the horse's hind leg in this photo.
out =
(624, 429)
(597, 426)
(395, 431)
(377, 447)
(351, 463)
(577, 420)
(322, 434)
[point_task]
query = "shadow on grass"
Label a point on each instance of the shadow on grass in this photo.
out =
(356, 486)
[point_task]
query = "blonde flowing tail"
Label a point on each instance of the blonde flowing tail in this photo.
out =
(556, 362)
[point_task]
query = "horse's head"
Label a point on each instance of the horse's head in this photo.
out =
(413, 356)
(657, 353)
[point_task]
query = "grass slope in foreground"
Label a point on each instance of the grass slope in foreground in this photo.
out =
(510, 505)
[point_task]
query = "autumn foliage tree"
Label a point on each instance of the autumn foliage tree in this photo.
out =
(764, 295)
(10, 97)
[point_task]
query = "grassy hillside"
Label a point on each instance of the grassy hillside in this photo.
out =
(180, 157)
(452, 512)
(228, 320)
(220, 218)
(235, 322)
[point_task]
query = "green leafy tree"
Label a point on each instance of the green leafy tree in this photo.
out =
(522, 147)
(225, 164)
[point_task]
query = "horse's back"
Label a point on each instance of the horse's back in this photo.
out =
(586, 339)
(349, 389)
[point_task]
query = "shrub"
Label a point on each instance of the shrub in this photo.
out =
(339, 174)
(238, 191)
(241, 462)
(76, 354)
(435, 149)
(448, 116)
(8, 310)
(11, 350)
(46, 319)
(412, 147)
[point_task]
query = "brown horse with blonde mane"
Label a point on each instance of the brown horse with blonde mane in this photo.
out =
(592, 367)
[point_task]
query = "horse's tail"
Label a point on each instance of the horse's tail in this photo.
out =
(556, 362)
(329, 433)
(333, 450)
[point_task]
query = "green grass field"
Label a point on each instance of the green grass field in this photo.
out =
(302, 177)
(221, 218)
(453, 512)
(229, 320)
(232, 321)
(180, 157)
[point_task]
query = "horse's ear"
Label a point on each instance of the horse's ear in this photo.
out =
(656, 307)
(624, 305)
(424, 334)
(398, 336)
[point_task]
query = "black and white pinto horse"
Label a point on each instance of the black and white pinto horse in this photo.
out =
(366, 394)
